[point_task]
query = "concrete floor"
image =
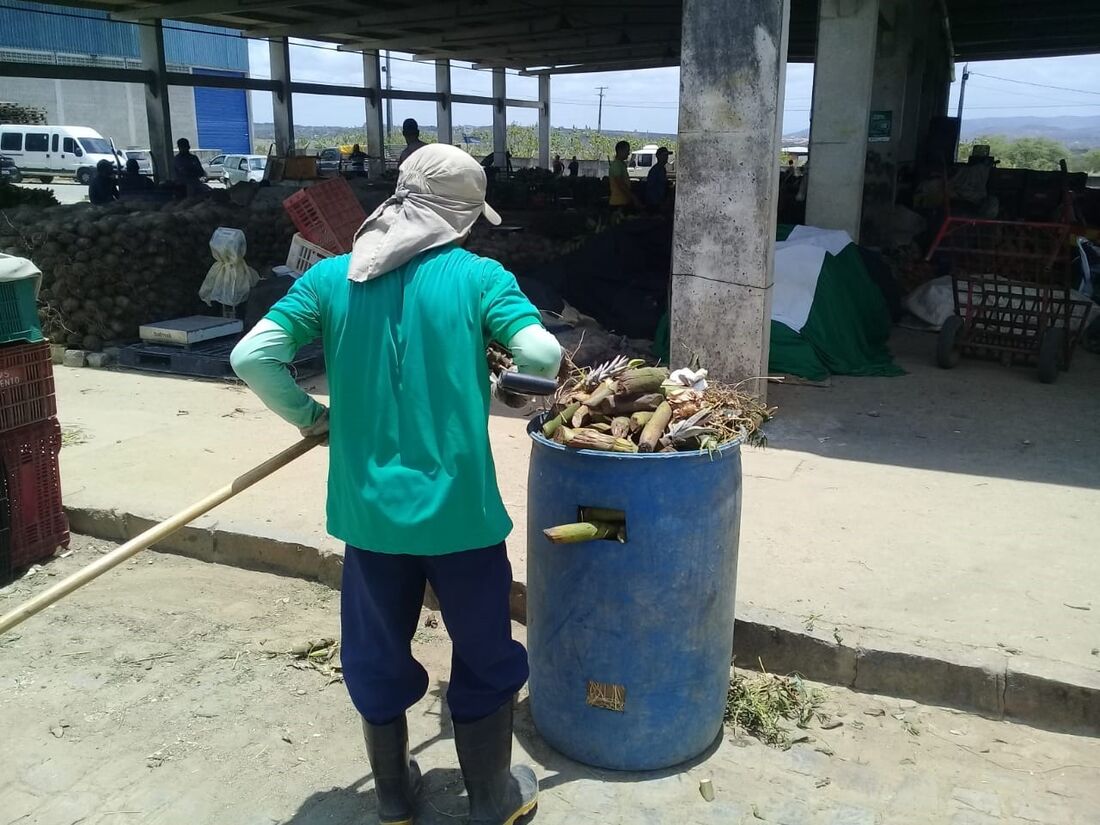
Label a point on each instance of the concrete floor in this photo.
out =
(943, 509)
(161, 694)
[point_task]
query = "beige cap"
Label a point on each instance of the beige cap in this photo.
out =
(449, 173)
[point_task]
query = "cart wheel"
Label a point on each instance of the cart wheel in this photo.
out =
(1050, 354)
(947, 345)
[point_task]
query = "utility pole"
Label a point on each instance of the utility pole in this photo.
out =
(599, 117)
(389, 100)
(959, 114)
(962, 91)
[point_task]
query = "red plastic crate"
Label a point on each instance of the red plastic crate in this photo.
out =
(27, 393)
(327, 214)
(36, 518)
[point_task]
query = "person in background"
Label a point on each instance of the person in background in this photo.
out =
(410, 130)
(404, 320)
(102, 190)
(133, 182)
(621, 195)
(574, 167)
(187, 169)
(656, 183)
(559, 167)
(357, 162)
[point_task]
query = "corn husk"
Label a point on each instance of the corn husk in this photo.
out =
(589, 439)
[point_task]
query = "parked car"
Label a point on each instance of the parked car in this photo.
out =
(215, 167)
(144, 158)
(240, 168)
(9, 172)
(45, 152)
(330, 161)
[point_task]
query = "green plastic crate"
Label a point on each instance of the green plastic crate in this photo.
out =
(19, 311)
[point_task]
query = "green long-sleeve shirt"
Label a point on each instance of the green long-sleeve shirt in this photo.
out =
(410, 467)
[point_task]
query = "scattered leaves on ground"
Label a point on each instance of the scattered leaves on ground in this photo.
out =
(759, 704)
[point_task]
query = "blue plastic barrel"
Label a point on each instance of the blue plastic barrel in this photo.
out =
(630, 643)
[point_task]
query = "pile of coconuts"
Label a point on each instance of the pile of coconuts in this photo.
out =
(106, 270)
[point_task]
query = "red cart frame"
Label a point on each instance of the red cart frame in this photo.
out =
(1012, 285)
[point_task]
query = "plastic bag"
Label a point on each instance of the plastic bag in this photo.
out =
(230, 279)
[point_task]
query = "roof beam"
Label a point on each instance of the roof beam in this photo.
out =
(198, 8)
(386, 17)
(601, 66)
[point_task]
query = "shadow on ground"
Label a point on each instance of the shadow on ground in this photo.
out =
(442, 799)
(980, 418)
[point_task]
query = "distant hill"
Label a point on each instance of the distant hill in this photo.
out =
(1078, 133)
(1074, 132)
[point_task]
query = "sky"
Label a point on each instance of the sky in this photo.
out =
(646, 101)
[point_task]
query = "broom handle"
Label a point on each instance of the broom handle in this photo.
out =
(153, 535)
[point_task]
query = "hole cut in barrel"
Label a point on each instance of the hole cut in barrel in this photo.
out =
(607, 696)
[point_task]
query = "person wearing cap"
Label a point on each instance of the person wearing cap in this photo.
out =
(103, 189)
(404, 321)
(656, 182)
(410, 130)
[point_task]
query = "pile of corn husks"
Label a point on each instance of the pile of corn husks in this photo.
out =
(625, 406)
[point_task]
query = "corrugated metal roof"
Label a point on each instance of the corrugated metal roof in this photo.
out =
(38, 27)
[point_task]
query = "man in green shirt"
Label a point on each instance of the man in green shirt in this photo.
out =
(404, 321)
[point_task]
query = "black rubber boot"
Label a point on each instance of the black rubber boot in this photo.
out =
(499, 794)
(396, 776)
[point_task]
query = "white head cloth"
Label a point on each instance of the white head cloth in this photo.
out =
(440, 194)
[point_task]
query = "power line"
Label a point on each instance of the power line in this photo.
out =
(1039, 85)
(599, 117)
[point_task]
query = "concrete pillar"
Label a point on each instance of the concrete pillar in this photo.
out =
(376, 144)
(912, 128)
(279, 49)
(157, 110)
(889, 97)
(846, 40)
(443, 115)
(732, 69)
(500, 119)
(544, 121)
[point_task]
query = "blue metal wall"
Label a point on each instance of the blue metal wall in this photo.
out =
(222, 116)
(25, 25)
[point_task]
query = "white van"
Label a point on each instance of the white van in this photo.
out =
(45, 152)
(640, 162)
(241, 168)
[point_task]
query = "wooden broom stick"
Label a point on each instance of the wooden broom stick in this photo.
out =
(153, 535)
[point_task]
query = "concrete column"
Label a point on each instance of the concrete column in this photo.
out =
(889, 98)
(500, 119)
(544, 121)
(443, 115)
(732, 69)
(279, 49)
(157, 110)
(376, 148)
(912, 128)
(846, 40)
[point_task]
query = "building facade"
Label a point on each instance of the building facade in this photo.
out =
(210, 118)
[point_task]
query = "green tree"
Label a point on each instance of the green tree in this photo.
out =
(1022, 153)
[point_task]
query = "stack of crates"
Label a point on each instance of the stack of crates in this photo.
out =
(32, 520)
(327, 215)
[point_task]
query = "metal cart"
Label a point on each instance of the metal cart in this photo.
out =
(1012, 289)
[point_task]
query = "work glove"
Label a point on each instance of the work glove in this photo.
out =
(505, 397)
(318, 428)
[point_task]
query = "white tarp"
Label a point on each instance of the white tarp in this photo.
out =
(798, 262)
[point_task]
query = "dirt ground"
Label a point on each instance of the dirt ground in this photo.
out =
(159, 694)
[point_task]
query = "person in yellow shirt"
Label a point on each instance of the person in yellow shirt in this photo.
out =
(622, 195)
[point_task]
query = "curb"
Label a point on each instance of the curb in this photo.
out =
(1042, 693)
